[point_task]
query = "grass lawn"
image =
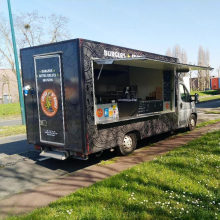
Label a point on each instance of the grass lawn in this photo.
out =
(183, 184)
(207, 95)
(212, 112)
(10, 109)
(12, 130)
(205, 123)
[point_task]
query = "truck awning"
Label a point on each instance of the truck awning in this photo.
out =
(152, 64)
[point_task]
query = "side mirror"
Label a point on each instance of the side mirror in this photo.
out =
(195, 98)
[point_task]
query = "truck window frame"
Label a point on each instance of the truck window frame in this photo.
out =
(171, 110)
(186, 97)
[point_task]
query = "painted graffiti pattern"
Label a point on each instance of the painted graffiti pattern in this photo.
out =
(110, 137)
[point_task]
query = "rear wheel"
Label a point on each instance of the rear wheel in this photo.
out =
(192, 122)
(129, 144)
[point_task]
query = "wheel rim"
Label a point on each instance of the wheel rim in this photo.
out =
(127, 143)
(192, 122)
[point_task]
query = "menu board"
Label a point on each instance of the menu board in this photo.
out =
(150, 106)
(167, 86)
(144, 107)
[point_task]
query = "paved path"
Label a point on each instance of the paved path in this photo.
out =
(19, 165)
(56, 188)
(203, 117)
(10, 122)
(202, 107)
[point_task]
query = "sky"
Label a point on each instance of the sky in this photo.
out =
(148, 25)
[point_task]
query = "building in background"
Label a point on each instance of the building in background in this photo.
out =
(8, 87)
(194, 84)
(215, 83)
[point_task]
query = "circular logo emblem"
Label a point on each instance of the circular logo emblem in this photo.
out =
(167, 106)
(49, 102)
(99, 112)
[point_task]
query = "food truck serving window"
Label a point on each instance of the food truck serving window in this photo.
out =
(132, 88)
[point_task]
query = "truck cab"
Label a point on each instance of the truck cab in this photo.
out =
(187, 113)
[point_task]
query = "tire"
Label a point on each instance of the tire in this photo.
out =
(192, 122)
(129, 144)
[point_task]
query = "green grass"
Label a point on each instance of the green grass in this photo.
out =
(107, 162)
(12, 130)
(212, 112)
(207, 123)
(10, 109)
(182, 184)
(207, 95)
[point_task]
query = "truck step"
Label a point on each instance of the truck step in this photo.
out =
(54, 154)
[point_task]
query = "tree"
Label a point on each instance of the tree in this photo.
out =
(169, 53)
(203, 75)
(5, 80)
(6, 47)
(31, 29)
(178, 52)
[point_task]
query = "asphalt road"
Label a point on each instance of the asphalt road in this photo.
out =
(14, 145)
(210, 104)
(11, 122)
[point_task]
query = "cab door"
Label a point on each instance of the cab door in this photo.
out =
(185, 105)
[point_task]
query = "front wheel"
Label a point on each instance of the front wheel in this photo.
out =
(129, 144)
(192, 122)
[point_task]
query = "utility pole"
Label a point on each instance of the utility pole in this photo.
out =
(17, 65)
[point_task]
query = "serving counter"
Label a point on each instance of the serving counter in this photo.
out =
(125, 109)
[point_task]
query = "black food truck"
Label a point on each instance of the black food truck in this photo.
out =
(82, 97)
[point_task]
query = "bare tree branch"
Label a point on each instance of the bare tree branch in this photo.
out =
(179, 53)
(31, 30)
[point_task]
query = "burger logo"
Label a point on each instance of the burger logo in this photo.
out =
(49, 102)
(99, 112)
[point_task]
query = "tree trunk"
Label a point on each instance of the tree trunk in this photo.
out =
(3, 93)
(9, 92)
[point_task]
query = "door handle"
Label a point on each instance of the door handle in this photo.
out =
(43, 123)
(181, 105)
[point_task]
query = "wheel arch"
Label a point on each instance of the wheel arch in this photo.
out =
(136, 132)
(194, 113)
(189, 121)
